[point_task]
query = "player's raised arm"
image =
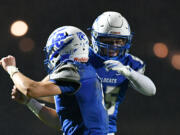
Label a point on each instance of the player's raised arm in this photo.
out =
(65, 75)
(46, 114)
(26, 85)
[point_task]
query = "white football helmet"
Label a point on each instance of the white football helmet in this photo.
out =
(66, 43)
(110, 25)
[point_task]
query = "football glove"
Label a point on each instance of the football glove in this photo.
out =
(118, 67)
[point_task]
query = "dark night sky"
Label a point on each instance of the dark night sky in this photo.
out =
(152, 21)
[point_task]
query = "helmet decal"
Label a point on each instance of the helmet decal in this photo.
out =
(66, 43)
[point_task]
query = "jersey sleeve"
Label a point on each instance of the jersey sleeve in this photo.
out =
(137, 64)
(65, 87)
(66, 76)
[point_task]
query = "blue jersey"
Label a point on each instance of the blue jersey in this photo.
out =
(83, 113)
(114, 84)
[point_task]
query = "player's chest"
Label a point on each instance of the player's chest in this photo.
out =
(111, 78)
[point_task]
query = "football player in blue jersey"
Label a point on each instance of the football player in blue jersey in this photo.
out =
(117, 68)
(72, 80)
(111, 40)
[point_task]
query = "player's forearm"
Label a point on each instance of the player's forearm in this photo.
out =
(23, 83)
(142, 83)
(47, 115)
(33, 88)
(29, 87)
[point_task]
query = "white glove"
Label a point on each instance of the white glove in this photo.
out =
(140, 82)
(118, 67)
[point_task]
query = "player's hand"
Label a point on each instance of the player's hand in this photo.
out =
(8, 61)
(18, 96)
(118, 66)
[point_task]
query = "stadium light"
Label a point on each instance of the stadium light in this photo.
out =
(175, 61)
(160, 50)
(19, 28)
(26, 44)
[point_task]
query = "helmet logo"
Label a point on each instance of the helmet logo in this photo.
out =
(81, 35)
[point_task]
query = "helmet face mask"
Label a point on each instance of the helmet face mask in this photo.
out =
(111, 47)
(66, 43)
(111, 35)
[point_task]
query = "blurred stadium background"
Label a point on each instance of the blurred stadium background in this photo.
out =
(156, 41)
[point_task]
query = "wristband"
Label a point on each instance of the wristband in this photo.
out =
(12, 70)
(34, 106)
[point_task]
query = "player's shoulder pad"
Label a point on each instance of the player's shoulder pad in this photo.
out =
(142, 69)
(66, 72)
(136, 59)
